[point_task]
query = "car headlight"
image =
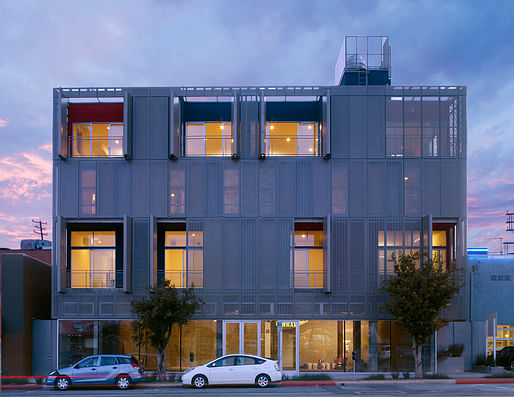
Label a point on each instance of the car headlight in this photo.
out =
(53, 373)
(188, 370)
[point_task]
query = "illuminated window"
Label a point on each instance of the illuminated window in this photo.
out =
(439, 239)
(209, 139)
(308, 270)
(97, 140)
(392, 244)
(183, 258)
(92, 259)
(291, 139)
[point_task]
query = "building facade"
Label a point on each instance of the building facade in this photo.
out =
(282, 205)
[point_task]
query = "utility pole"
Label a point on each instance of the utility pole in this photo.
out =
(39, 228)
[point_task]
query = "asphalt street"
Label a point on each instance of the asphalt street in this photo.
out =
(355, 389)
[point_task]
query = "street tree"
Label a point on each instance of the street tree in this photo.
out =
(158, 313)
(418, 292)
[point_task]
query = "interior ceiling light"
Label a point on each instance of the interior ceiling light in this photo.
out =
(271, 127)
(288, 139)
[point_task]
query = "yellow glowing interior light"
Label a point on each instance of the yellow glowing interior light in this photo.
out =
(117, 142)
(232, 140)
(271, 127)
(406, 178)
(310, 149)
(303, 236)
(172, 194)
(310, 127)
(93, 197)
(288, 139)
(222, 126)
(193, 235)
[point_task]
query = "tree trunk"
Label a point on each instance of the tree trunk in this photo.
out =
(416, 352)
(161, 365)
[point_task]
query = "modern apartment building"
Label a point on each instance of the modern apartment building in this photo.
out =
(282, 205)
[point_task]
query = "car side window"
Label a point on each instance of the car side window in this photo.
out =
(124, 360)
(89, 362)
(223, 362)
(244, 360)
(108, 361)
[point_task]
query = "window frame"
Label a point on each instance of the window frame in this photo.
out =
(308, 226)
(74, 139)
(316, 136)
(117, 228)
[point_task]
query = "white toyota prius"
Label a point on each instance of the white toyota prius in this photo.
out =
(234, 369)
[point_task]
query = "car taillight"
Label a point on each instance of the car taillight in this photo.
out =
(276, 366)
(133, 365)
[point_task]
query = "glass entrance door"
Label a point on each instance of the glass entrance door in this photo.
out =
(288, 345)
(242, 337)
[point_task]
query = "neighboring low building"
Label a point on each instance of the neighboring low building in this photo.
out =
(492, 299)
(26, 296)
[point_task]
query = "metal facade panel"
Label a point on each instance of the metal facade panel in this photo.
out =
(286, 188)
(449, 188)
(128, 245)
(196, 188)
(141, 127)
(268, 258)
(214, 188)
(339, 254)
(320, 188)
(340, 136)
(61, 254)
(463, 189)
(140, 188)
(235, 126)
(358, 126)
(358, 196)
(174, 125)
(159, 127)
(432, 187)
(283, 264)
(231, 254)
(128, 142)
(394, 187)
(61, 129)
(68, 189)
(325, 127)
(249, 247)
(267, 188)
(159, 187)
(105, 194)
(376, 127)
(140, 253)
(152, 258)
(376, 181)
(249, 126)
(303, 188)
(123, 185)
(249, 188)
(213, 255)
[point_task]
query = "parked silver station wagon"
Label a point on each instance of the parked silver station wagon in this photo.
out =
(104, 369)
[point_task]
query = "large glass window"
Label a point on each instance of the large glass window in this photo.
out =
(93, 259)
(307, 256)
(97, 140)
(292, 138)
(183, 258)
(392, 244)
(209, 139)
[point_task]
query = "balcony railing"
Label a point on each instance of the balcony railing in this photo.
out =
(92, 279)
(182, 279)
(96, 147)
(209, 146)
(309, 279)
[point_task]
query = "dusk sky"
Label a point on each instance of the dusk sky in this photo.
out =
(46, 44)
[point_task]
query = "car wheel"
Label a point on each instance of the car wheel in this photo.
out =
(123, 382)
(512, 365)
(199, 381)
(262, 380)
(62, 383)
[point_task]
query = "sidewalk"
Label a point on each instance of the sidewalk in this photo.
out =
(467, 377)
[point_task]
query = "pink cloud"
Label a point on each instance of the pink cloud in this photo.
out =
(26, 176)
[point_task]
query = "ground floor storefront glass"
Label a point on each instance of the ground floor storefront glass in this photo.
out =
(299, 345)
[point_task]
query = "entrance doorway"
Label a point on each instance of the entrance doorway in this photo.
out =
(288, 338)
(241, 337)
